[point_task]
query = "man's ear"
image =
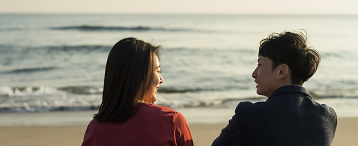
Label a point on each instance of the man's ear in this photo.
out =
(283, 71)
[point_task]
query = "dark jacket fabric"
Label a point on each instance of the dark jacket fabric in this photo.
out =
(289, 117)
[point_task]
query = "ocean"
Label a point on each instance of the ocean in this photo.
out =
(56, 62)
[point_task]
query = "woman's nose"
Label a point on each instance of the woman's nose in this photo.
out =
(161, 79)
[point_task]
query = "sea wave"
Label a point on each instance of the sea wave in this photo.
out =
(75, 98)
(28, 70)
(82, 89)
(178, 90)
(13, 29)
(86, 48)
(348, 93)
(29, 91)
(8, 49)
(30, 108)
(45, 99)
(198, 89)
(78, 98)
(216, 103)
(117, 28)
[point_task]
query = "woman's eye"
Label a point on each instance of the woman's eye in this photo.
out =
(159, 71)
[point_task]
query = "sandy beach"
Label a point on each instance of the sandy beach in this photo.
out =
(203, 134)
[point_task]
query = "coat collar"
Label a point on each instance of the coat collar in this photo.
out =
(289, 89)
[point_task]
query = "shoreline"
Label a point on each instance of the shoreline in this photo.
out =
(76, 118)
(203, 134)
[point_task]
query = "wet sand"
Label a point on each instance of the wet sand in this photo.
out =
(203, 134)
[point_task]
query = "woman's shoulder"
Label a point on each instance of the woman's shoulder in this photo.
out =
(154, 107)
(163, 112)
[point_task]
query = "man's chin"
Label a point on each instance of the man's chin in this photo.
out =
(259, 93)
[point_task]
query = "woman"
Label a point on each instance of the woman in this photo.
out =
(127, 115)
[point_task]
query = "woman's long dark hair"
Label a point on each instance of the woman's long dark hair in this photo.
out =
(129, 71)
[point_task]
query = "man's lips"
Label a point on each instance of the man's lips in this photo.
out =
(257, 83)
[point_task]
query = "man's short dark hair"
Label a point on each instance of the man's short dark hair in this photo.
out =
(291, 49)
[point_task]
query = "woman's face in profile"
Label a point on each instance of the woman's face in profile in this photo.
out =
(151, 94)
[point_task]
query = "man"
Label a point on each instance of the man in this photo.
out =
(289, 117)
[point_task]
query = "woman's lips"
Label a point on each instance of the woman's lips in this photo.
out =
(156, 91)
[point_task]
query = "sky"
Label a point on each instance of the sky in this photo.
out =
(182, 6)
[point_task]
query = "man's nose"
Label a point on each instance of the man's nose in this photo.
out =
(254, 74)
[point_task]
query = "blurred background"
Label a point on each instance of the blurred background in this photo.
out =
(53, 53)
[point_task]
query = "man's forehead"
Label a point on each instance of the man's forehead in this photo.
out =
(264, 59)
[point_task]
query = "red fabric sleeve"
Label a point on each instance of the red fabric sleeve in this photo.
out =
(86, 136)
(182, 135)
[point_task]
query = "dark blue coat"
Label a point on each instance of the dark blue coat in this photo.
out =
(289, 117)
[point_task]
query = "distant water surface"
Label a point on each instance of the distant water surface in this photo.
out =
(54, 62)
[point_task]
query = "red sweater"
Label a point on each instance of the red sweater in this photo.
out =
(152, 125)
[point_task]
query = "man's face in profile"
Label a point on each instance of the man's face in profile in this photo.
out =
(265, 77)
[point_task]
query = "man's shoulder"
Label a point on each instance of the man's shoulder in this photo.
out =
(325, 110)
(249, 107)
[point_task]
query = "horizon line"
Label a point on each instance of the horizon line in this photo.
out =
(352, 14)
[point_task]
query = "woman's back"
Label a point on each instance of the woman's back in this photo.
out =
(151, 125)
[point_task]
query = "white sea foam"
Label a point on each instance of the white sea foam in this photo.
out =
(45, 99)
(29, 92)
(6, 92)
